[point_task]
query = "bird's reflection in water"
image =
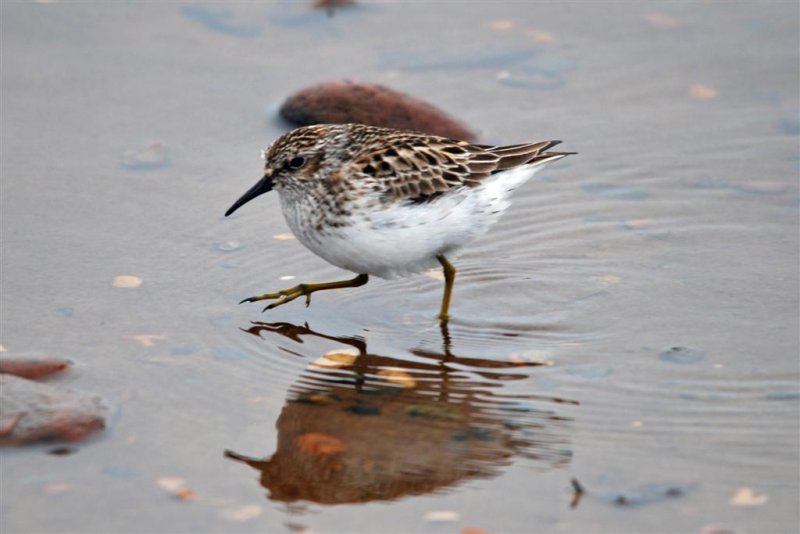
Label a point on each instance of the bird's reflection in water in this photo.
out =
(359, 427)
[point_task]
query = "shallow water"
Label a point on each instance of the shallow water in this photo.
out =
(631, 322)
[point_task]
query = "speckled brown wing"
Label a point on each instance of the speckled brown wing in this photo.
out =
(419, 168)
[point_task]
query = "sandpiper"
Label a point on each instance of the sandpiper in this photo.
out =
(389, 203)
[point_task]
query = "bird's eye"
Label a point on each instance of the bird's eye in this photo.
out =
(296, 162)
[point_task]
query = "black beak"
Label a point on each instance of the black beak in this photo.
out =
(263, 186)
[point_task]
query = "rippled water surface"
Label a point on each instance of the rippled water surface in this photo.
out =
(631, 324)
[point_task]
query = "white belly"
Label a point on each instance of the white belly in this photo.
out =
(401, 239)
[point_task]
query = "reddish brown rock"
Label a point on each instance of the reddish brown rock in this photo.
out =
(365, 103)
(31, 411)
(32, 367)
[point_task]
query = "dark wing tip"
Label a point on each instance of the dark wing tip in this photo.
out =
(547, 157)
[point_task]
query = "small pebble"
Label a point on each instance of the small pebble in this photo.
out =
(747, 497)
(541, 37)
(662, 21)
(126, 281)
(184, 494)
(241, 513)
(703, 92)
(442, 515)
(171, 484)
(147, 340)
(501, 25)
(150, 158)
(54, 488)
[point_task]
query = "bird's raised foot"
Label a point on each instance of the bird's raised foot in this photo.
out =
(283, 296)
(287, 295)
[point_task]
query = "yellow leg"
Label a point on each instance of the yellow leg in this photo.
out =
(287, 295)
(449, 278)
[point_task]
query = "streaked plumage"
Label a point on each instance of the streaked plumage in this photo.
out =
(387, 202)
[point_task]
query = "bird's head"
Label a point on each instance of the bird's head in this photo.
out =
(293, 161)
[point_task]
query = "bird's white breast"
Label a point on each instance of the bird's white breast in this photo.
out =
(397, 239)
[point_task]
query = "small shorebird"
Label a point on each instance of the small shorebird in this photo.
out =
(389, 203)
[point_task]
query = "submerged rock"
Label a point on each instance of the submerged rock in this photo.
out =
(30, 411)
(372, 104)
(682, 355)
(650, 494)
